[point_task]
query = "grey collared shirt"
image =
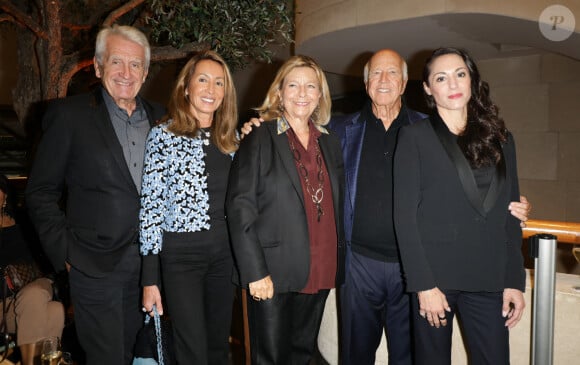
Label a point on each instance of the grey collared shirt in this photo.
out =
(132, 133)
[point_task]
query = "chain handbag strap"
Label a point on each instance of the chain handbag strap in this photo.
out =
(157, 321)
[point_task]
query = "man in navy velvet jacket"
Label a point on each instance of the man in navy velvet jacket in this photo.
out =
(373, 297)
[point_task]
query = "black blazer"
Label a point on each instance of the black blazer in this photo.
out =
(448, 237)
(265, 209)
(81, 152)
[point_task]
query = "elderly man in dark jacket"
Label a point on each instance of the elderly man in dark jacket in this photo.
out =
(93, 145)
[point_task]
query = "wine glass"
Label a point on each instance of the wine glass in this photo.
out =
(51, 352)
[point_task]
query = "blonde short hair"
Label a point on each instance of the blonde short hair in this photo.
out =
(270, 108)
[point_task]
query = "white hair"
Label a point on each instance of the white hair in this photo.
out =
(129, 33)
(366, 71)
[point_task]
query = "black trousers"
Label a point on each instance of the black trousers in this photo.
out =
(197, 277)
(107, 311)
(485, 335)
(284, 329)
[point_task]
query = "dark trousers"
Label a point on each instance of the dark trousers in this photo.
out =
(284, 329)
(373, 299)
(485, 335)
(107, 311)
(198, 289)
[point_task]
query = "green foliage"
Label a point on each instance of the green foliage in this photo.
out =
(240, 30)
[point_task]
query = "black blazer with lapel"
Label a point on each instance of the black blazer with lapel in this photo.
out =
(80, 151)
(265, 209)
(448, 236)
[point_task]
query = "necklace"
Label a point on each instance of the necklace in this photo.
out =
(317, 195)
(204, 134)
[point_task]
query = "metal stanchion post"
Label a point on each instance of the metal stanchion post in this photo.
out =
(543, 249)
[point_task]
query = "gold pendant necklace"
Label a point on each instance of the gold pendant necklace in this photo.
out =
(317, 195)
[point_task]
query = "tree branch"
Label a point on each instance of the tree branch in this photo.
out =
(119, 12)
(23, 18)
(70, 68)
(169, 53)
(78, 60)
(7, 18)
(77, 27)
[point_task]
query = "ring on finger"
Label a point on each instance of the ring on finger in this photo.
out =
(256, 298)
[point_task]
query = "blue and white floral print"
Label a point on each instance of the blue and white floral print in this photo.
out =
(174, 194)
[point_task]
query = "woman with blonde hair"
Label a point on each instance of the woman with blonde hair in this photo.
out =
(284, 205)
(183, 232)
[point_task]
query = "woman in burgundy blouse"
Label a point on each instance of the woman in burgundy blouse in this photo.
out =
(284, 210)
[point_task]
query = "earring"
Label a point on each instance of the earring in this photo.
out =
(281, 106)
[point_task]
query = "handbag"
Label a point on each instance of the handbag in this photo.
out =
(19, 274)
(154, 342)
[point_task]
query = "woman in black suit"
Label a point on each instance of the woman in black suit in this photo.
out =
(455, 175)
(284, 210)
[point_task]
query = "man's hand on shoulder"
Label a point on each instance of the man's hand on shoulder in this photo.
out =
(247, 127)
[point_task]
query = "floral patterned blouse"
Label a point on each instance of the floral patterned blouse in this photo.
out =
(174, 194)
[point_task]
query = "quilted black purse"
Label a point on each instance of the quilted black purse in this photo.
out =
(154, 342)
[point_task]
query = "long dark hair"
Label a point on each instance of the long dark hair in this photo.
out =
(485, 130)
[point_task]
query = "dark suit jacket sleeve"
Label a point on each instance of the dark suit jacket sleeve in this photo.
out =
(407, 187)
(46, 183)
(515, 273)
(242, 209)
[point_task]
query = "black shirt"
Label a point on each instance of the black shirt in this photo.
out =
(217, 168)
(373, 232)
(483, 175)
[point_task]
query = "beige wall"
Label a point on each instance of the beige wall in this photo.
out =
(539, 97)
(314, 18)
